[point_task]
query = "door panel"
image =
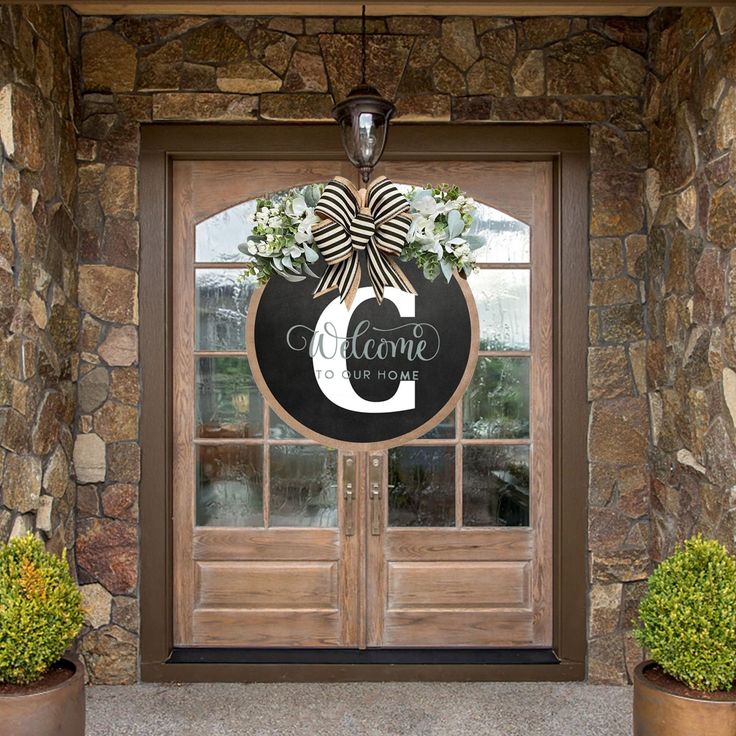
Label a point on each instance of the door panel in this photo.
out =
(260, 559)
(442, 584)
(463, 554)
(443, 542)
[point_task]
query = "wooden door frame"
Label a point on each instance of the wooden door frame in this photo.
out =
(567, 146)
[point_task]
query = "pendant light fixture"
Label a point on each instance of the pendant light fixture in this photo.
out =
(363, 118)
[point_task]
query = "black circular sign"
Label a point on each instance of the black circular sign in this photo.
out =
(369, 377)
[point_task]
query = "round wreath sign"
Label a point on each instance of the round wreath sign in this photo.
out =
(385, 358)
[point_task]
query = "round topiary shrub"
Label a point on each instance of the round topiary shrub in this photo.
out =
(688, 615)
(40, 610)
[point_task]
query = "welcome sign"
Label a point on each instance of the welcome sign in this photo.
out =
(368, 376)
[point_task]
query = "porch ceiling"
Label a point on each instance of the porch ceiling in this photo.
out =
(377, 7)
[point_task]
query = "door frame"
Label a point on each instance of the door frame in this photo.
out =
(567, 146)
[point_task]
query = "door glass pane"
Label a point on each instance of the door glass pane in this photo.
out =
(495, 485)
(220, 307)
(421, 486)
(496, 404)
(218, 237)
(505, 240)
(443, 430)
(303, 486)
(228, 402)
(280, 430)
(229, 485)
(502, 298)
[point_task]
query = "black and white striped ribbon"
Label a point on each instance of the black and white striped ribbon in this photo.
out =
(380, 228)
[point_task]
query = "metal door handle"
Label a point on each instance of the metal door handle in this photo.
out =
(349, 483)
(375, 477)
(375, 509)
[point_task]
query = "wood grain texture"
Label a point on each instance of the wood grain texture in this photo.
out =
(277, 585)
(475, 585)
(235, 627)
(458, 544)
(222, 184)
(541, 390)
(183, 401)
(459, 628)
(217, 543)
(380, 7)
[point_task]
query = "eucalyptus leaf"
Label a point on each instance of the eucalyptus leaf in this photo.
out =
(310, 253)
(287, 264)
(447, 269)
(309, 271)
(430, 271)
(312, 195)
(290, 276)
(455, 224)
(475, 241)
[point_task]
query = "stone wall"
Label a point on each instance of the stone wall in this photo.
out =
(577, 70)
(691, 291)
(39, 317)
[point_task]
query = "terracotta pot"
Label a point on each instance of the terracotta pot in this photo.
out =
(660, 712)
(57, 711)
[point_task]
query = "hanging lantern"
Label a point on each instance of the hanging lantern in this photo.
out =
(363, 118)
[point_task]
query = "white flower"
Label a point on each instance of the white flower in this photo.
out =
(274, 222)
(424, 202)
(269, 237)
(304, 231)
(294, 252)
(295, 206)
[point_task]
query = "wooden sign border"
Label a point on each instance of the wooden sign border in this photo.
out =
(255, 369)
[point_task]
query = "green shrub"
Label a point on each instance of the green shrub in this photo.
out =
(40, 610)
(688, 615)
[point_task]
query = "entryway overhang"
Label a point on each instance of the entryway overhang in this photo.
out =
(380, 7)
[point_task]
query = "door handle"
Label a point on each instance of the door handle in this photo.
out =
(375, 510)
(348, 472)
(374, 494)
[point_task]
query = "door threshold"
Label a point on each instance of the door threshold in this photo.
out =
(229, 655)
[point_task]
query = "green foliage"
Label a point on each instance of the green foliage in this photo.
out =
(40, 610)
(688, 616)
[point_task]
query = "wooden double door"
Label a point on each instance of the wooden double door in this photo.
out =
(443, 542)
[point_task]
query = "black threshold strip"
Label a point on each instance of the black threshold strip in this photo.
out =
(226, 655)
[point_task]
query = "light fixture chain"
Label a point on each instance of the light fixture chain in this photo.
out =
(363, 44)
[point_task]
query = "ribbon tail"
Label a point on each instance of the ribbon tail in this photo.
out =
(343, 276)
(383, 272)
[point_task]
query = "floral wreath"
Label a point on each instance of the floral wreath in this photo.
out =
(338, 222)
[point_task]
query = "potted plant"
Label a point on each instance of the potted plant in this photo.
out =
(41, 691)
(688, 625)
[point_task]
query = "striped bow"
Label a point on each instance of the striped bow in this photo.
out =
(374, 220)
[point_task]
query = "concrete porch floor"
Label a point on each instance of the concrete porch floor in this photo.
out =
(357, 709)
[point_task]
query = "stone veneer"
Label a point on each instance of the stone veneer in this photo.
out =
(594, 71)
(691, 290)
(39, 317)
